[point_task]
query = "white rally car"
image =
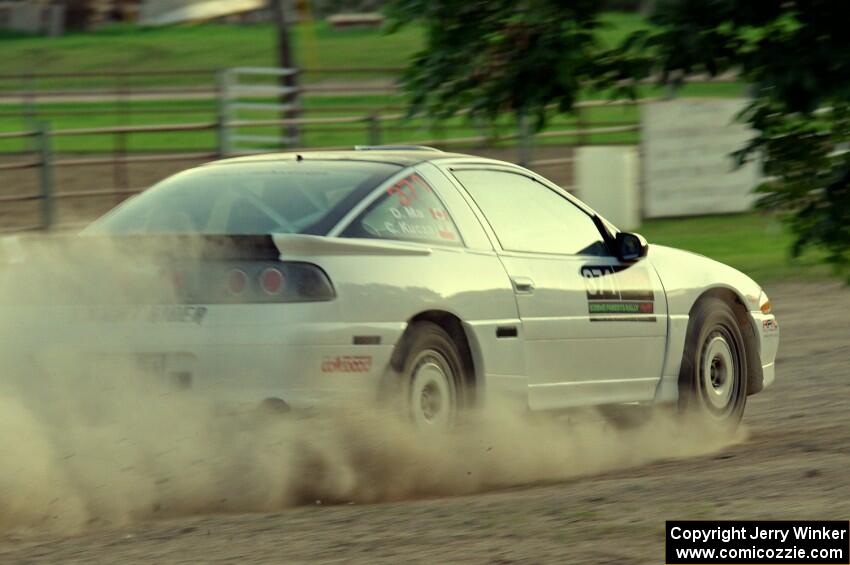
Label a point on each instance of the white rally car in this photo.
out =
(452, 279)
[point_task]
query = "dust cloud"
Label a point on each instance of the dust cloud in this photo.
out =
(82, 449)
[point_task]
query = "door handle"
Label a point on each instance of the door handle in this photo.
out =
(523, 285)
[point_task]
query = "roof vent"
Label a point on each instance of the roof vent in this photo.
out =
(395, 148)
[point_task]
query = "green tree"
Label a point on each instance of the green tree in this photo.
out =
(794, 53)
(496, 56)
(522, 56)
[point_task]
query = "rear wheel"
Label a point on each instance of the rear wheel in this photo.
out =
(713, 377)
(432, 377)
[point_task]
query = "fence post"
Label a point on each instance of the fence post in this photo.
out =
(485, 134)
(374, 126)
(119, 141)
(28, 95)
(581, 138)
(295, 131)
(119, 164)
(222, 133)
(45, 175)
(437, 132)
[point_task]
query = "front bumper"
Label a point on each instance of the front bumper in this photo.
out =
(766, 333)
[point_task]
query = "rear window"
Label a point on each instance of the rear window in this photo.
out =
(249, 199)
(409, 210)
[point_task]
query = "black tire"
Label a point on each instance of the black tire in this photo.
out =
(713, 376)
(430, 377)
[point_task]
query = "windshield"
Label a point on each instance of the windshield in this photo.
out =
(249, 199)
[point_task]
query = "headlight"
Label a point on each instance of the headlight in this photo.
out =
(764, 303)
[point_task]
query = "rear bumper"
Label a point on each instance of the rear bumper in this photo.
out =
(233, 355)
(301, 375)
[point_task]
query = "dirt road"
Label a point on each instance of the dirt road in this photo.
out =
(793, 465)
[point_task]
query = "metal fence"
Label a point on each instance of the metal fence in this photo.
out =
(236, 83)
(28, 89)
(385, 122)
(40, 161)
(43, 160)
(46, 162)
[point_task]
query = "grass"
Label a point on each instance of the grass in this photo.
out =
(215, 46)
(211, 46)
(203, 46)
(756, 244)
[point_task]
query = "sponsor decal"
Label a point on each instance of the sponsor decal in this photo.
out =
(620, 307)
(347, 364)
(438, 214)
(618, 293)
(418, 213)
(770, 325)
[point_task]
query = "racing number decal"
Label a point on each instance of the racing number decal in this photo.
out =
(405, 189)
(618, 294)
(419, 213)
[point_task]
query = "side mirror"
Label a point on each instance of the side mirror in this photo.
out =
(630, 246)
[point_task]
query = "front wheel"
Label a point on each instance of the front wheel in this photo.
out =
(713, 377)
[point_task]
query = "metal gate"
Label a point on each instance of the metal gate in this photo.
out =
(251, 100)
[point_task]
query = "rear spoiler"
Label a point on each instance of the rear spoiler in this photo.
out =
(16, 249)
(297, 245)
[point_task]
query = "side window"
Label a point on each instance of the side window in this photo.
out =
(409, 211)
(528, 216)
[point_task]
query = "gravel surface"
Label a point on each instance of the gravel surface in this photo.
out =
(792, 465)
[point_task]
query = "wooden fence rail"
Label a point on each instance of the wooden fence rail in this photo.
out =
(41, 158)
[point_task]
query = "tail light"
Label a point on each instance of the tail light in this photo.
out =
(237, 281)
(271, 281)
(267, 281)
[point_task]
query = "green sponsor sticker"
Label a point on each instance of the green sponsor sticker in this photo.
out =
(618, 308)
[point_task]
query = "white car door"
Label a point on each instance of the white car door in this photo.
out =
(594, 329)
(460, 272)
